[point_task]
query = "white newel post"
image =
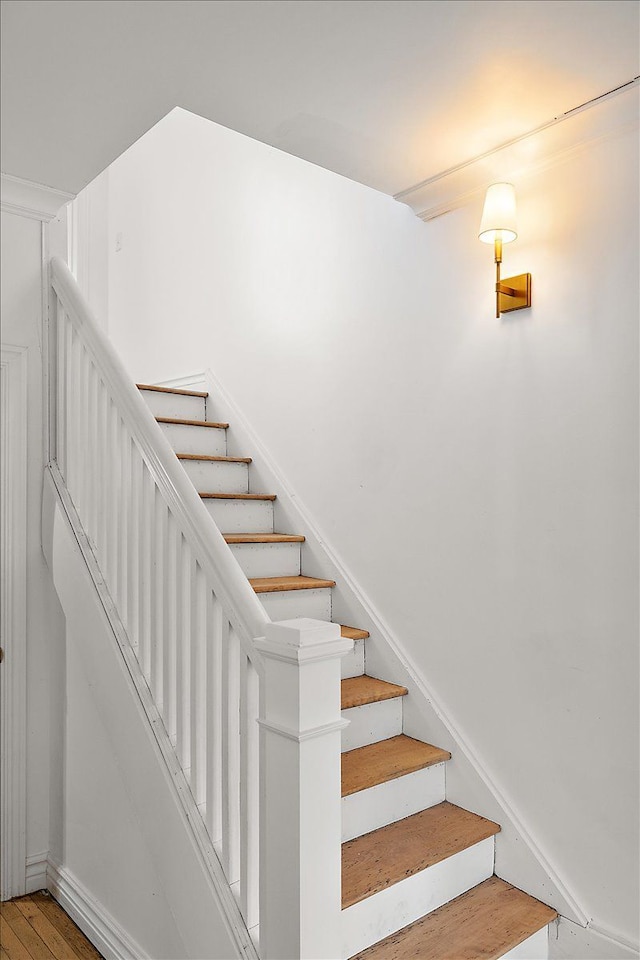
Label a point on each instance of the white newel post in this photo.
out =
(300, 816)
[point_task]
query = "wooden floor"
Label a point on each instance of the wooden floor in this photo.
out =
(37, 928)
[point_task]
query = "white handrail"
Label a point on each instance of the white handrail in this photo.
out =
(231, 586)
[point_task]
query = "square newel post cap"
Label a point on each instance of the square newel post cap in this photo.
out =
(304, 640)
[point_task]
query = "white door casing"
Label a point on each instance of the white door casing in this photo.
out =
(13, 617)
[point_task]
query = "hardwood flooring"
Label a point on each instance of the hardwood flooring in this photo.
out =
(37, 928)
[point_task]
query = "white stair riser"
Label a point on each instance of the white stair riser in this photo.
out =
(374, 918)
(352, 664)
(385, 803)
(174, 405)
(372, 722)
(268, 559)
(211, 441)
(535, 947)
(287, 605)
(211, 476)
(241, 516)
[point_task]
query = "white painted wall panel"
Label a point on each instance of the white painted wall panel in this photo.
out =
(21, 275)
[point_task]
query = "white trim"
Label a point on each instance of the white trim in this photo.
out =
(372, 619)
(165, 751)
(24, 198)
(593, 942)
(98, 926)
(13, 622)
(37, 872)
(301, 736)
(614, 936)
(610, 115)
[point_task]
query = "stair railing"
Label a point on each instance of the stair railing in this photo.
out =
(190, 614)
(252, 707)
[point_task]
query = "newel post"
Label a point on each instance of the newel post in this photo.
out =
(300, 816)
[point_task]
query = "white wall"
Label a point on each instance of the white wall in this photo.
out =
(477, 477)
(22, 326)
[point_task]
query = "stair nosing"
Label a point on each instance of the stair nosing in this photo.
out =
(262, 584)
(192, 423)
(208, 458)
(181, 393)
(237, 496)
(264, 538)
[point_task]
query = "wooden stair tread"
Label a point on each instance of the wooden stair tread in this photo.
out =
(356, 691)
(379, 859)
(193, 423)
(180, 393)
(482, 924)
(209, 459)
(237, 496)
(263, 537)
(386, 760)
(353, 633)
(276, 584)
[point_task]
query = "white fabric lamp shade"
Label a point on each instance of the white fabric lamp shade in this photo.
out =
(499, 214)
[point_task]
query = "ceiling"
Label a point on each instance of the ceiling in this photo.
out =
(386, 92)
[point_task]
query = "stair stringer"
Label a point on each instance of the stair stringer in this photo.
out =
(470, 782)
(206, 914)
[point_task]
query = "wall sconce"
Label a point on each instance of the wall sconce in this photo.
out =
(498, 226)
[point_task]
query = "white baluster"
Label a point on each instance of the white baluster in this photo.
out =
(61, 385)
(215, 618)
(159, 589)
(147, 572)
(73, 465)
(113, 501)
(169, 652)
(230, 754)
(91, 519)
(124, 521)
(198, 684)
(183, 581)
(102, 480)
(300, 815)
(133, 571)
(249, 792)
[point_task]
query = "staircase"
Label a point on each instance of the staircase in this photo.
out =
(417, 871)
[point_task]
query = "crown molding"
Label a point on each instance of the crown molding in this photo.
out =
(24, 198)
(607, 116)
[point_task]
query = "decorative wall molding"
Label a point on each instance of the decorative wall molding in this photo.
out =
(100, 928)
(36, 874)
(33, 200)
(606, 116)
(13, 621)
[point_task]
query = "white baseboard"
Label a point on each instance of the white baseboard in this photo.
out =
(36, 872)
(570, 941)
(98, 926)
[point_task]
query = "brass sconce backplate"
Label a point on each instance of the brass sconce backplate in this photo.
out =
(514, 293)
